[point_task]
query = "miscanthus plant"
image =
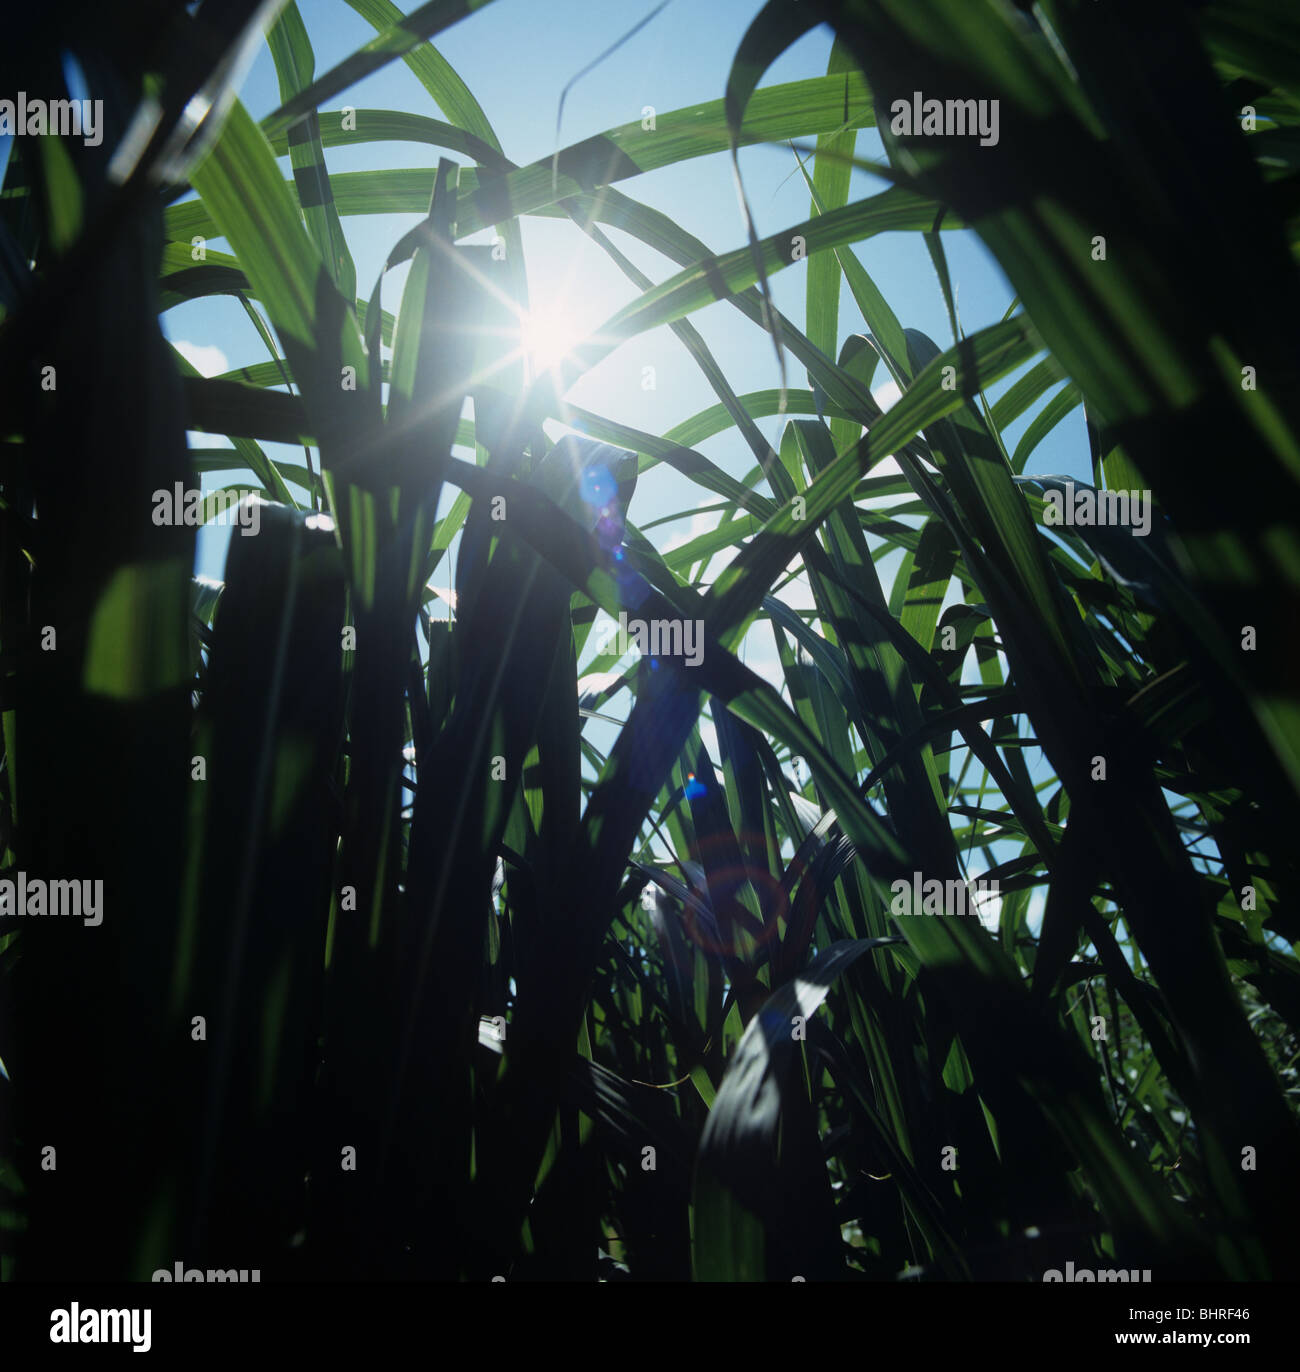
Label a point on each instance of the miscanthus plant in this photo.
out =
(401, 972)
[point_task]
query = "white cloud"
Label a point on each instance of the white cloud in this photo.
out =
(205, 358)
(448, 598)
(709, 737)
(887, 394)
(768, 667)
(797, 594)
(702, 522)
(597, 681)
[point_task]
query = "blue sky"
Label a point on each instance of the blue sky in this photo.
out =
(517, 57)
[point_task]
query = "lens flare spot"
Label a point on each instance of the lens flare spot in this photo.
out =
(598, 488)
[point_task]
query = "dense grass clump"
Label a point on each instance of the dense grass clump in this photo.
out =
(410, 964)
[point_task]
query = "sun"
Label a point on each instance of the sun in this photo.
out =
(549, 332)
